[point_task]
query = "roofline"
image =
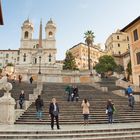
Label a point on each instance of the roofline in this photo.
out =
(94, 46)
(77, 45)
(130, 24)
(9, 50)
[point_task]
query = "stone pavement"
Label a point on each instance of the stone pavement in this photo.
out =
(66, 128)
(18, 127)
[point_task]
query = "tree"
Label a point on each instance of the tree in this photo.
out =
(106, 63)
(89, 38)
(129, 70)
(69, 62)
(119, 69)
(10, 64)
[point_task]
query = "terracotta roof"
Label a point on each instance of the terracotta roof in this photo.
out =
(1, 18)
(130, 24)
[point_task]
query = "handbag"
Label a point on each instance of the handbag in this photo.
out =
(55, 113)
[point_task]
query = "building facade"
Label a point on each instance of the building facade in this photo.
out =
(117, 43)
(133, 31)
(80, 52)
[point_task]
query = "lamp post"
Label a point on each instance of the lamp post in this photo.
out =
(14, 65)
(39, 72)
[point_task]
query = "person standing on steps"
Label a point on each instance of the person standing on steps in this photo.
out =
(131, 101)
(54, 113)
(110, 110)
(19, 78)
(76, 95)
(21, 99)
(85, 105)
(31, 80)
(39, 107)
(129, 90)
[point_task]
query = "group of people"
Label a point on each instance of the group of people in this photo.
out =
(53, 111)
(131, 99)
(72, 93)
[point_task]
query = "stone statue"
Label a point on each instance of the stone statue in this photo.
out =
(7, 103)
(4, 84)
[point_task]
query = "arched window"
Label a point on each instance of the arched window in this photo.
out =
(50, 58)
(26, 34)
(24, 57)
(35, 60)
(138, 57)
(50, 34)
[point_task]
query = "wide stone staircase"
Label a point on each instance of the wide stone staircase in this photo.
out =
(125, 126)
(71, 112)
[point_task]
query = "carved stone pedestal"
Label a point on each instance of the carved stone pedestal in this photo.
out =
(7, 109)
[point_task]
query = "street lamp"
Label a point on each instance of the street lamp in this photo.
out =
(39, 65)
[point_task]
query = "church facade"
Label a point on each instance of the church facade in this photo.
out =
(34, 55)
(37, 55)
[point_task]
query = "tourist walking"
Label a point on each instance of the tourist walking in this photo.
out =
(129, 91)
(110, 110)
(31, 80)
(76, 95)
(39, 107)
(21, 99)
(131, 100)
(19, 78)
(69, 91)
(85, 105)
(54, 113)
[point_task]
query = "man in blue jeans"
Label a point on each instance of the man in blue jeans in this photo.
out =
(39, 105)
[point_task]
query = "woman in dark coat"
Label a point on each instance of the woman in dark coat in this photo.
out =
(54, 113)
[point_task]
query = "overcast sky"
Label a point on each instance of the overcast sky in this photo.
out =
(72, 17)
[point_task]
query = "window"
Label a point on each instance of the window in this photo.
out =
(117, 37)
(50, 34)
(18, 52)
(7, 55)
(127, 38)
(50, 57)
(26, 34)
(6, 61)
(24, 57)
(119, 52)
(35, 60)
(135, 33)
(118, 44)
(37, 45)
(138, 57)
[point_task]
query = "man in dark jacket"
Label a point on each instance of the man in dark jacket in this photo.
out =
(39, 104)
(54, 113)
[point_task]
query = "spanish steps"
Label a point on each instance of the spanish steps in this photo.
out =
(27, 127)
(71, 112)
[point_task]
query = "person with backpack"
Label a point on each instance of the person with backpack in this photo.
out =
(131, 101)
(129, 90)
(110, 110)
(39, 107)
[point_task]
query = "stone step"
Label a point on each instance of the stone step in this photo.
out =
(78, 134)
